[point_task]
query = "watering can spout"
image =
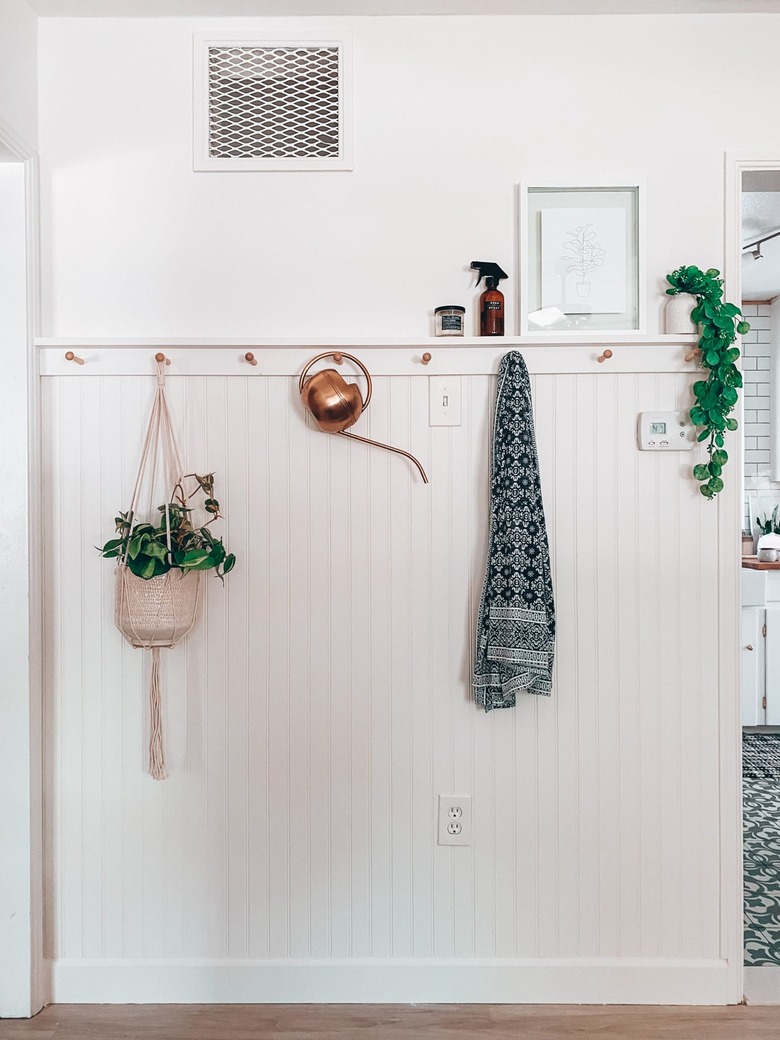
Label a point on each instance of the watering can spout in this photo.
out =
(388, 447)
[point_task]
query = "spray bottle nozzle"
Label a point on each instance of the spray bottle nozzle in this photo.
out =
(488, 269)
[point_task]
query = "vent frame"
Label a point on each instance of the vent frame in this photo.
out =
(202, 158)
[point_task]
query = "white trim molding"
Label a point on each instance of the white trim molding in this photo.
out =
(582, 981)
(22, 987)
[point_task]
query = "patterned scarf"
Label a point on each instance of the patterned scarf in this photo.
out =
(515, 640)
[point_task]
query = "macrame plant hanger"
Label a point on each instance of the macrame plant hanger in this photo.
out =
(156, 612)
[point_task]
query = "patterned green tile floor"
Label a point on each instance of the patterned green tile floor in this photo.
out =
(761, 837)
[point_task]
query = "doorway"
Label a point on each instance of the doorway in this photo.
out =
(758, 283)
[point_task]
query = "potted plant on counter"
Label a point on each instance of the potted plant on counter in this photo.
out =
(715, 397)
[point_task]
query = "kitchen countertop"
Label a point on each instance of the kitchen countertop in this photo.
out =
(754, 564)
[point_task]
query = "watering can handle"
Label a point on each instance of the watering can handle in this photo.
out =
(332, 354)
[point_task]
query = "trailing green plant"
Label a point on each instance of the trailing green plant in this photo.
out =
(144, 547)
(715, 397)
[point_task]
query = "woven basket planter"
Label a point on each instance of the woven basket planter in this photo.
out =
(158, 611)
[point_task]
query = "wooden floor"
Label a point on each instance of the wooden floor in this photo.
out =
(392, 1022)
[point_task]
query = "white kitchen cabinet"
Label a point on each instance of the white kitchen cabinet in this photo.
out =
(760, 643)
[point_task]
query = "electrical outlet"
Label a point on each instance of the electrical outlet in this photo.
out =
(454, 819)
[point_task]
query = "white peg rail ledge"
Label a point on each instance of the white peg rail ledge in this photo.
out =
(618, 353)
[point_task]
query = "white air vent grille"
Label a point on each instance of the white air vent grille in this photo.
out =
(272, 105)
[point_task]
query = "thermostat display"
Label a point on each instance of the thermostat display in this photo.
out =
(665, 431)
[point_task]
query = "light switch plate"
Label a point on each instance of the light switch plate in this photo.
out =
(444, 394)
(665, 431)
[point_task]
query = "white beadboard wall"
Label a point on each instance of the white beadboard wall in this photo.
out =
(322, 703)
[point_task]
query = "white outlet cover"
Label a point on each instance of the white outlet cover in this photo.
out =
(454, 819)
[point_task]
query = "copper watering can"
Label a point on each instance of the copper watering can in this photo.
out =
(336, 404)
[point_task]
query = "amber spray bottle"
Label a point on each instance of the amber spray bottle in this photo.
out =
(491, 302)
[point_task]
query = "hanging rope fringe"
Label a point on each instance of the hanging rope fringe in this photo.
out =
(156, 748)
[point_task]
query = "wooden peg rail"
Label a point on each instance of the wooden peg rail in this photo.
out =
(464, 356)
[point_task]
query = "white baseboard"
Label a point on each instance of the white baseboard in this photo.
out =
(596, 981)
(762, 985)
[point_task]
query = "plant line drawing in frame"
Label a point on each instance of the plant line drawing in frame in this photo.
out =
(584, 256)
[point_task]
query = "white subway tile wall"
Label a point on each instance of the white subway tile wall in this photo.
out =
(762, 492)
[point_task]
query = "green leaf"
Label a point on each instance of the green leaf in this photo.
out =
(706, 490)
(721, 457)
(701, 472)
(703, 435)
(194, 556)
(712, 358)
(111, 544)
(716, 485)
(743, 328)
(719, 439)
(143, 567)
(732, 424)
(229, 564)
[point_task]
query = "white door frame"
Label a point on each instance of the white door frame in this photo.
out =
(23, 990)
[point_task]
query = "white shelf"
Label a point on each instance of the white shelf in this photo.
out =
(560, 339)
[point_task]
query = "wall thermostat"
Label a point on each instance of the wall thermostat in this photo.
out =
(665, 431)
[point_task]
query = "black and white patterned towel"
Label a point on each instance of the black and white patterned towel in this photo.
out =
(515, 639)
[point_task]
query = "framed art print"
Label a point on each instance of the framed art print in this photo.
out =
(580, 261)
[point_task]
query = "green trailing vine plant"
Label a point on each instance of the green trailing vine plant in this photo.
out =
(715, 397)
(144, 547)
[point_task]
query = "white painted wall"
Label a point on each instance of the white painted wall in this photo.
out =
(291, 855)
(450, 114)
(19, 71)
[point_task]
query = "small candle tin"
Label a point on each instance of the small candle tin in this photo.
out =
(449, 320)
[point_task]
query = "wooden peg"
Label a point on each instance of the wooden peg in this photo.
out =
(250, 357)
(426, 358)
(70, 356)
(605, 356)
(338, 357)
(692, 354)
(159, 356)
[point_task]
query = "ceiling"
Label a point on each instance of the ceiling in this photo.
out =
(761, 216)
(313, 8)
